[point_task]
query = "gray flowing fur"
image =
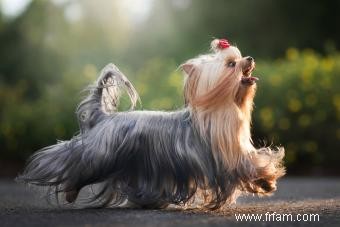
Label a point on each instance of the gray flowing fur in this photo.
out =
(148, 158)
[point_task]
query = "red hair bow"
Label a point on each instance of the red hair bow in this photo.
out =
(223, 43)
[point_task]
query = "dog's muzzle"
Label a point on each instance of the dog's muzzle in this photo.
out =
(248, 68)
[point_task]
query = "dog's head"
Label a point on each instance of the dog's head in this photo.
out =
(217, 79)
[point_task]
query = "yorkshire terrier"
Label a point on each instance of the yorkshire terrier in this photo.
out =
(153, 158)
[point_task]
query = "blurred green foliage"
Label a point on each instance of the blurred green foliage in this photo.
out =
(47, 59)
(298, 105)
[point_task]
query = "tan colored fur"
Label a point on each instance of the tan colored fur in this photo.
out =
(221, 107)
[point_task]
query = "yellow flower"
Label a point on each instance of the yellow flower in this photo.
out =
(307, 75)
(327, 64)
(294, 105)
(292, 54)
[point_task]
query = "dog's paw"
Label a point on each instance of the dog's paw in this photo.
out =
(71, 196)
(266, 185)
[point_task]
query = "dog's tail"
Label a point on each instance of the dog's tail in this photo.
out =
(104, 97)
(61, 166)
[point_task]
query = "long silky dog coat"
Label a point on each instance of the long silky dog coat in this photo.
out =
(153, 158)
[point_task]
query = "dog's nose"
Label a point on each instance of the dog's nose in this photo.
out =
(250, 58)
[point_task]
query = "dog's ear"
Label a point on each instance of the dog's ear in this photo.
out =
(188, 68)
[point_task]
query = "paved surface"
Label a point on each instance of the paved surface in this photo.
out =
(21, 206)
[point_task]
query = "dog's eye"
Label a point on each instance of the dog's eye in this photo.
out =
(231, 64)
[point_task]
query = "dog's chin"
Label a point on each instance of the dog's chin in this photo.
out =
(247, 78)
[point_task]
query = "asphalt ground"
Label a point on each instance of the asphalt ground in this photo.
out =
(315, 199)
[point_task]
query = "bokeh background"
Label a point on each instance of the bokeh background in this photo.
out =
(50, 50)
